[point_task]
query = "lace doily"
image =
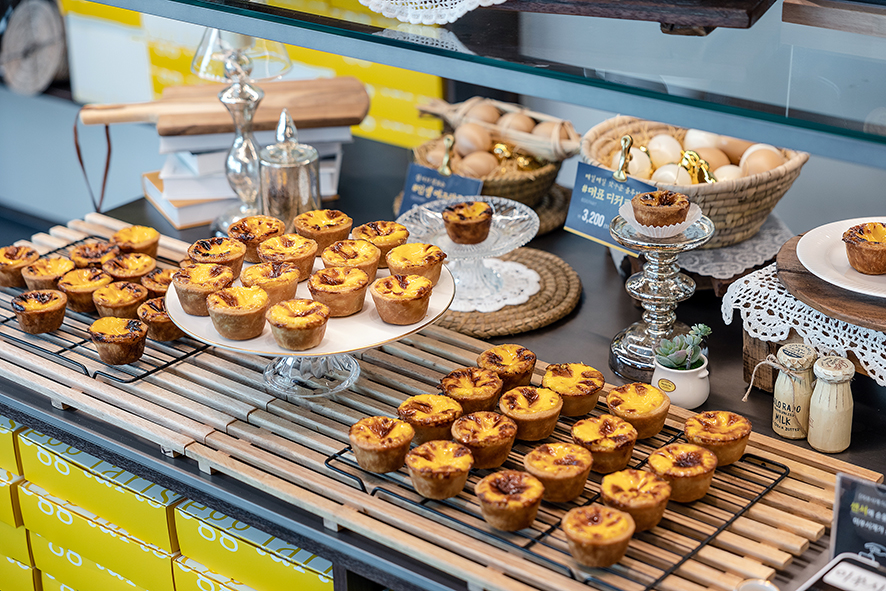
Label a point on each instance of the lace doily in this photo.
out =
(426, 12)
(769, 312)
(519, 283)
(428, 36)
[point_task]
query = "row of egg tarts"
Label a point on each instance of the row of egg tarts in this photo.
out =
(458, 430)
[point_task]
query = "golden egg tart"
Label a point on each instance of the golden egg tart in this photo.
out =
(514, 364)
(323, 226)
(158, 281)
(439, 469)
(578, 384)
(93, 254)
(380, 444)
(724, 433)
(12, 260)
(120, 299)
(359, 254)
(254, 230)
(562, 467)
(401, 299)
(45, 273)
(290, 248)
(688, 468)
(119, 340)
(343, 289)
(473, 387)
(40, 311)
(385, 235)
(186, 264)
(137, 239)
(431, 415)
(468, 222)
(535, 410)
(80, 284)
(642, 405)
(279, 280)
(610, 439)
(298, 324)
(660, 208)
(160, 326)
(193, 284)
(416, 259)
(488, 435)
(238, 313)
(598, 536)
(219, 251)
(866, 247)
(509, 499)
(641, 494)
(129, 266)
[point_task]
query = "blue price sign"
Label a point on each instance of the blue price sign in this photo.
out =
(425, 184)
(596, 198)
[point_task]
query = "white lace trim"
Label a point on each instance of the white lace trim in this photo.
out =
(769, 312)
(426, 12)
(427, 36)
(519, 283)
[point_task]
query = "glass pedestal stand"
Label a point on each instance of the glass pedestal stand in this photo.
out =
(312, 377)
(660, 287)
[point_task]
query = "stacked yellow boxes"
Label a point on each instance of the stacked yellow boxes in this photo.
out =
(16, 566)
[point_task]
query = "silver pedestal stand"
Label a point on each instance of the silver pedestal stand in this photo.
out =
(659, 288)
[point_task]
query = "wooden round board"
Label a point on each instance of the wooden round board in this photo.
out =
(854, 308)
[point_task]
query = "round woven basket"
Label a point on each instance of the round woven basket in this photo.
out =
(526, 186)
(738, 208)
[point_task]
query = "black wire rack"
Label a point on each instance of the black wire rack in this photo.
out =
(652, 556)
(70, 346)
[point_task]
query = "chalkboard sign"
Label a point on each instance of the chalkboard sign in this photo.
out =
(425, 184)
(859, 519)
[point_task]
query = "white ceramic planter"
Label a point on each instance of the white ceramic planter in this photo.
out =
(688, 388)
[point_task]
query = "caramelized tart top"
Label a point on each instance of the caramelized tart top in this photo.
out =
(681, 460)
(381, 233)
(440, 457)
(636, 399)
(559, 458)
(572, 379)
(38, 299)
(381, 431)
(529, 400)
(482, 428)
(717, 426)
(510, 488)
(604, 433)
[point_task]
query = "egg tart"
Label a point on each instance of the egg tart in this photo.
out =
(380, 444)
(385, 235)
(642, 405)
(416, 259)
(79, 286)
(93, 254)
(509, 499)
(535, 410)
(254, 230)
(238, 313)
(129, 266)
(597, 535)
(119, 340)
(724, 433)
(12, 260)
(562, 467)
(45, 273)
(488, 435)
(186, 264)
(641, 494)
(439, 469)
(343, 289)
(158, 281)
(431, 415)
(578, 384)
(323, 226)
(219, 251)
(298, 324)
(401, 299)
(193, 284)
(160, 327)
(40, 311)
(660, 208)
(468, 222)
(120, 299)
(279, 280)
(688, 468)
(359, 254)
(514, 364)
(473, 387)
(866, 247)
(137, 239)
(290, 248)
(610, 439)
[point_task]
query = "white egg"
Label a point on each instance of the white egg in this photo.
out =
(664, 149)
(728, 172)
(672, 174)
(754, 148)
(640, 165)
(470, 137)
(696, 138)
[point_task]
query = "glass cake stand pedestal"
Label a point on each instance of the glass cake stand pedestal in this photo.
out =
(659, 288)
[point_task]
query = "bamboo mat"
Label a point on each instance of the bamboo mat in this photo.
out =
(213, 408)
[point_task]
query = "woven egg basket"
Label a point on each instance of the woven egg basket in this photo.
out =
(738, 207)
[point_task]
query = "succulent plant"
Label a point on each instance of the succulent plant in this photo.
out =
(683, 351)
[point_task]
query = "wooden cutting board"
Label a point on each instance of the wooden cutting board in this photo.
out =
(194, 110)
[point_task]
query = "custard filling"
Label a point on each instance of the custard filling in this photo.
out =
(248, 298)
(478, 427)
(153, 310)
(319, 219)
(508, 356)
(682, 460)
(572, 379)
(440, 456)
(121, 292)
(429, 408)
(350, 252)
(636, 399)
(135, 235)
(16, 255)
(630, 486)
(287, 244)
(85, 279)
(94, 253)
(470, 382)
(527, 400)
(109, 328)
(158, 278)
(54, 267)
(129, 263)
(338, 280)
(604, 433)
(205, 274)
(215, 248)
(382, 233)
(416, 254)
(403, 286)
(32, 301)
(510, 488)
(556, 458)
(717, 426)
(270, 274)
(256, 228)
(596, 523)
(298, 314)
(383, 431)
(469, 210)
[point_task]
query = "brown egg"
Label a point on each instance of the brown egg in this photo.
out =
(545, 129)
(516, 122)
(470, 137)
(484, 112)
(714, 157)
(761, 161)
(435, 157)
(477, 164)
(733, 147)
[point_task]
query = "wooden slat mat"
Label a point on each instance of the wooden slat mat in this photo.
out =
(213, 407)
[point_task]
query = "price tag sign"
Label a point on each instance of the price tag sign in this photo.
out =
(859, 519)
(425, 184)
(596, 197)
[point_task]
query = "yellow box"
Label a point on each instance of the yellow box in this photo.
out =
(8, 452)
(16, 576)
(9, 511)
(190, 575)
(14, 543)
(139, 506)
(247, 554)
(101, 541)
(70, 568)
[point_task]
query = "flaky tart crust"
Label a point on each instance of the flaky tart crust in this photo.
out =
(290, 248)
(359, 254)
(193, 284)
(79, 286)
(324, 226)
(578, 384)
(688, 468)
(468, 222)
(12, 260)
(160, 326)
(158, 281)
(298, 324)
(597, 536)
(642, 405)
(535, 410)
(866, 247)
(45, 273)
(142, 239)
(120, 299)
(93, 254)
(488, 435)
(609, 439)
(343, 289)
(431, 415)
(509, 499)
(40, 311)
(380, 443)
(219, 251)
(660, 208)
(514, 364)
(563, 468)
(474, 388)
(238, 313)
(129, 266)
(279, 280)
(119, 341)
(416, 259)
(439, 469)
(401, 299)
(385, 235)
(724, 433)
(642, 494)
(253, 230)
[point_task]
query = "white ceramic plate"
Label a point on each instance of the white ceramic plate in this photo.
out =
(821, 250)
(363, 330)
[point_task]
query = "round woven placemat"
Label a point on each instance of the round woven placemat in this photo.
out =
(558, 296)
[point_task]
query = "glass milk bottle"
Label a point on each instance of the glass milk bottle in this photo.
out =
(790, 398)
(830, 410)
